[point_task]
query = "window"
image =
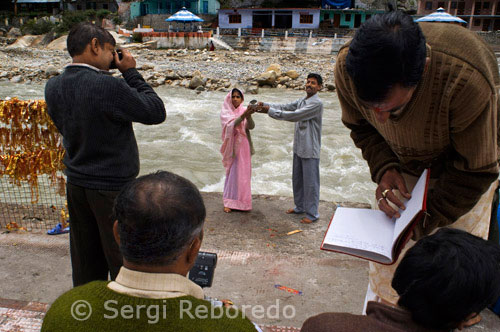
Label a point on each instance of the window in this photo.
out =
(486, 5)
(440, 4)
(453, 5)
(477, 8)
(306, 19)
(477, 22)
(234, 18)
(428, 5)
(327, 16)
(348, 17)
(367, 17)
(105, 6)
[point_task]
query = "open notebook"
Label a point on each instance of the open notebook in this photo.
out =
(372, 235)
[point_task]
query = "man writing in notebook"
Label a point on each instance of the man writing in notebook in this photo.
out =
(414, 97)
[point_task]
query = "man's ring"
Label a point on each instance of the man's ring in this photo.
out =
(378, 201)
(384, 193)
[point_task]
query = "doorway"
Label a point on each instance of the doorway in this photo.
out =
(283, 19)
(262, 19)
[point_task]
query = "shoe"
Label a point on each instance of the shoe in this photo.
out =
(292, 211)
(306, 220)
(227, 210)
(58, 230)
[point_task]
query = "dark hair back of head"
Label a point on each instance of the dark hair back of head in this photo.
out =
(83, 33)
(158, 215)
(318, 78)
(388, 49)
(447, 276)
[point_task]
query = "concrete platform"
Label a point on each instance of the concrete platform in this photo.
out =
(254, 253)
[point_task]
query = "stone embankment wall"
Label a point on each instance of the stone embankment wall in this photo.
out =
(193, 40)
(282, 44)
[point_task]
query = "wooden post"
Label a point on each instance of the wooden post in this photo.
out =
(262, 33)
(218, 32)
(286, 34)
(239, 32)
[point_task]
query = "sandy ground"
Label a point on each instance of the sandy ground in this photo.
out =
(254, 253)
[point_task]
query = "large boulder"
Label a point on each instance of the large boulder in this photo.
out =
(23, 42)
(51, 71)
(267, 78)
(330, 86)
(14, 33)
(276, 68)
(292, 74)
(196, 82)
(58, 44)
(283, 79)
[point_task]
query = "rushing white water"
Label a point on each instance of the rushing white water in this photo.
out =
(188, 143)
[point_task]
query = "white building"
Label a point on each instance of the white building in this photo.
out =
(269, 18)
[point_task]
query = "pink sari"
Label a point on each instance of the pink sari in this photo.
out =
(236, 158)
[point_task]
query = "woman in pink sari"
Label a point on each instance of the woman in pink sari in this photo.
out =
(236, 152)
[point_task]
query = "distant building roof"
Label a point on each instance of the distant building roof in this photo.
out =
(37, 1)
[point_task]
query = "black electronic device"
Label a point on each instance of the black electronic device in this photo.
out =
(113, 63)
(202, 272)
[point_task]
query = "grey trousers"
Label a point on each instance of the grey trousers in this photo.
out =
(305, 178)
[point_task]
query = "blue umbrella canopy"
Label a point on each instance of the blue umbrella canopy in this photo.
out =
(185, 16)
(441, 16)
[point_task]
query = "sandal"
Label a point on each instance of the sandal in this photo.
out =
(292, 211)
(306, 220)
(227, 210)
(58, 230)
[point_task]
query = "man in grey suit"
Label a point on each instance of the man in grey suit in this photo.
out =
(307, 114)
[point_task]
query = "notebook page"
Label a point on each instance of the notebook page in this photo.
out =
(363, 229)
(413, 206)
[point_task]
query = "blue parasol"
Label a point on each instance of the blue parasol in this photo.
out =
(184, 16)
(441, 16)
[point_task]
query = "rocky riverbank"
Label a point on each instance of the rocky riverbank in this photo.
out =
(195, 69)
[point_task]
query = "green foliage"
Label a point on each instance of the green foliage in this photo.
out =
(102, 13)
(117, 20)
(70, 19)
(137, 37)
(90, 13)
(39, 27)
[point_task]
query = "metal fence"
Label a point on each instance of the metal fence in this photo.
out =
(18, 209)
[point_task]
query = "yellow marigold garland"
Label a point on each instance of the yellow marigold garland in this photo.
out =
(30, 144)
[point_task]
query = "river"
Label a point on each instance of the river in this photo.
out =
(188, 143)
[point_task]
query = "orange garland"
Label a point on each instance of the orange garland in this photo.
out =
(30, 144)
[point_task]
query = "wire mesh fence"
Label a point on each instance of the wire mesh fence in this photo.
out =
(32, 185)
(18, 209)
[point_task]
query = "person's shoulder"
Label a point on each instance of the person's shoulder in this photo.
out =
(89, 288)
(340, 322)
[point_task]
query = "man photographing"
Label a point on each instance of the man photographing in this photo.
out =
(94, 112)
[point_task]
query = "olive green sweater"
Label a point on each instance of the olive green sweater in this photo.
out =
(112, 311)
(449, 125)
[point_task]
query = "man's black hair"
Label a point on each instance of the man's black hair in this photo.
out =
(388, 49)
(83, 33)
(447, 276)
(318, 78)
(158, 216)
